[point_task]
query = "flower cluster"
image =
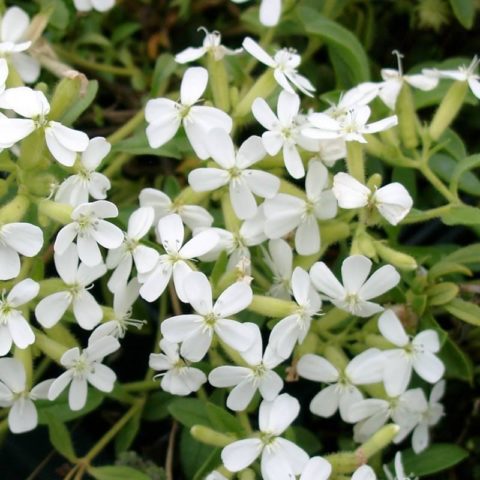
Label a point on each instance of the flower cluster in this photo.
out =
(248, 234)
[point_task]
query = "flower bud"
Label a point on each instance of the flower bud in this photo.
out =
(448, 109)
(210, 437)
(272, 307)
(336, 356)
(407, 118)
(398, 259)
(263, 87)
(59, 212)
(67, 92)
(14, 210)
(342, 462)
(377, 442)
(39, 184)
(219, 82)
(49, 347)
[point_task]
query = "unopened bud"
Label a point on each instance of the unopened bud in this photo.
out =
(272, 307)
(262, 88)
(59, 212)
(407, 118)
(14, 210)
(210, 437)
(67, 92)
(398, 259)
(377, 442)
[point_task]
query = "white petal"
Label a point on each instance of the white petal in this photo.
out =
(325, 281)
(397, 373)
(207, 179)
(140, 222)
(194, 83)
(102, 378)
(317, 468)
(270, 11)
(200, 244)
(20, 330)
(25, 238)
(196, 345)
(350, 192)
(10, 262)
(355, 270)
(272, 142)
(264, 114)
(107, 234)
(145, 258)
(261, 183)
(293, 160)
(23, 292)
(420, 438)
(190, 54)
(239, 455)
(325, 403)
(276, 416)
(428, 366)
(87, 311)
(383, 280)
(22, 417)
(307, 236)
(102, 347)
(349, 396)
(171, 232)
(64, 238)
(234, 334)
(254, 49)
(240, 397)
(270, 385)
(393, 202)
(221, 149)
(392, 329)
(89, 251)
(365, 472)
(156, 282)
(14, 129)
(177, 329)
(98, 148)
(199, 292)
(234, 299)
(316, 368)
(59, 385)
(5, 340)
(251, 151)
(14, 25)
(52, 308)
(242, 199)
(12, 374)
(228, 376)
(366, 368)
(427, 341)
(77, 395)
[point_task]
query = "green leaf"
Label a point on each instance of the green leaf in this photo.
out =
(463, 174)
(466, 255)
(457, 363)
(212, 462)
(436, 458)
(127, 434)
(59, 408)
(445, 167)
(447, 268)
(343, 45)
(60, 17)
(304, 438)
(466, 311)
(464, 215)
(164, 67)
(223, 420)
(82, 104)
(138, 145)
(193, 454)
(453, 144)
(117, 472)
(464, 10)
(190, 412)
(442, 293)
(60, 437)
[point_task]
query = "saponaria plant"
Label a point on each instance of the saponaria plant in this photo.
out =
(274, 261)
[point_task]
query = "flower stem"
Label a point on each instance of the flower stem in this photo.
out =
(129, 127)
(355, 161)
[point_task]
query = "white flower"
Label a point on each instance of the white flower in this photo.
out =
(462, 74)
(283, 131)
(258, 375)
(123, 300)
(429, 417)
(175, 260)
(354, 295)
(355, 97)
(280, 261)
(17, 239)
(351, 127)
(193, 216)
(393, 82)
(417, 354)
(99, 5)
(14, 328)
(365, 472)
(294, 328)
(195, 331)
(13, 43)
(179, 378)
(270, 11)
(77, 279)
(215, 476)
(392, 201)
(85, 367)
(285, 213)
(342, 393)
(132, 251)
(91, 230)
(399, 470)
(76, 189)
(405, 410)
(281, 458)
(164, 116)
(212, 43)
(237, 245)
(284, 63)
(243, 181)
(63, 143)
(14, 393)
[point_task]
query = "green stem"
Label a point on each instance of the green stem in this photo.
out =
(129, 127)
(117, 164)
(427, 215)
(141, 386)
(89, 65)
(355, 161)
(110, 435)
(436, 182)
